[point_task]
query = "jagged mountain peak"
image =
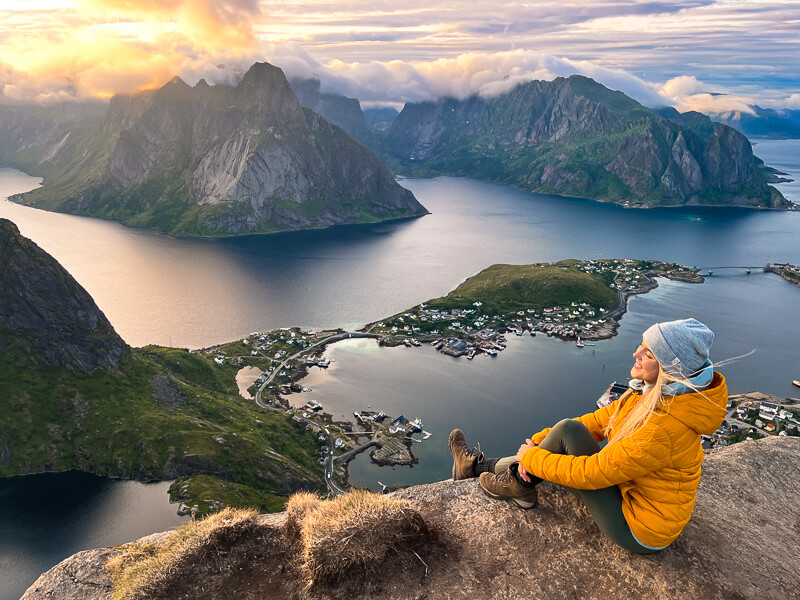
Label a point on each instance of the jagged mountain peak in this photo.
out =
(263, 76)
(222, 159)
(45, 314)
(176, 82)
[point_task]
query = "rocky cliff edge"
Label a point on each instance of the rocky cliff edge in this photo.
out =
(741, 543)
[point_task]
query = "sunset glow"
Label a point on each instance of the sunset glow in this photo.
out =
(684, 53)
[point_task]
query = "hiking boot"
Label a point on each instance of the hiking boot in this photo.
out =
(464, 459)
(508, 486)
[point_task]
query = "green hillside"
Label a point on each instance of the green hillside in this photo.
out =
(510, 288)
(143, 419)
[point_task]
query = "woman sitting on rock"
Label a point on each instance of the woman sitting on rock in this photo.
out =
(641, 487)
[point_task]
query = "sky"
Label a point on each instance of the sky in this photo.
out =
(707, 55)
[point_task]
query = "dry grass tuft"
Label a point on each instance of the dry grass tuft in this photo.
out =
(298, 506)
(354, 534)
(142, 571)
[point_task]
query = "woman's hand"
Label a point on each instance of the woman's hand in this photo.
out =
(524, 448)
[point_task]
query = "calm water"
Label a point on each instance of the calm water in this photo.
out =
(45, 518)
(192, 293)
(783, 155)
(537, 381)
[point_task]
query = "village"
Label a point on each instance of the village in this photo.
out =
(753, 416)
(283, 356)
(460, 331)
(274, 363)
(790, 273)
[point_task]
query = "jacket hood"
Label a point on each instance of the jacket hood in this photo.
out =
(702, 411)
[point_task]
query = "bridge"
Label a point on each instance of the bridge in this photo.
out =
(728, 267)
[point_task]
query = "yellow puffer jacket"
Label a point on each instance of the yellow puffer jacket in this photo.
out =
(657, 468)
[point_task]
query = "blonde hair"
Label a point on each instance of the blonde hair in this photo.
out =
(620, 429)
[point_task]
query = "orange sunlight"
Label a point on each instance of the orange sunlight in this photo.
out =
(102, 47)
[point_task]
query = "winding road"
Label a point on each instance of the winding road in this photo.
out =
(328, 340)
(333, 487)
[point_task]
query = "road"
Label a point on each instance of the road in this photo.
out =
(333, 488)
(328, 340)
(733, 417)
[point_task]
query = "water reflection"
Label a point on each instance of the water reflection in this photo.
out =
(210, 291)
(47, 517)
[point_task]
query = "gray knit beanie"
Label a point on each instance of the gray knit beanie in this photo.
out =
(680, 347)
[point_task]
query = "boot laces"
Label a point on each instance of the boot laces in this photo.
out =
(475, 452)
(506, 476)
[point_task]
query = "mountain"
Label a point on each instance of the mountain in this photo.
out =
(763, 122)
(214, 160)
(344, 111)
(33, 134)
(335, 108)
(380, 118)
(75, 396)
(575, 137)
(45, 312)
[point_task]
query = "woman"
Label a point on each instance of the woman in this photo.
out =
(640, 489)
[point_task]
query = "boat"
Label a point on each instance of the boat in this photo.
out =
(796, 382)
(314, 405)
(579, 343)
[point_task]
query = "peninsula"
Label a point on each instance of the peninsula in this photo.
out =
(570, 299)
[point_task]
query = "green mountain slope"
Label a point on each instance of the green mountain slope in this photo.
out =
(575, 137)
(84, 400)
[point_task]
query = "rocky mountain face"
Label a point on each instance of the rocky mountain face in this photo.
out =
(575, 137)
(335, 108)
(380, 118)
(32, 135)
(740, 544)
(213, 160)
(44, 311)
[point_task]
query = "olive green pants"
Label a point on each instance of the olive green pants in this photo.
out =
(605, 505)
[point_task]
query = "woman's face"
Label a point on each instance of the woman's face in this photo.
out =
(646, 365)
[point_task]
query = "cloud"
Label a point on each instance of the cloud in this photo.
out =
(482, 73)
(686, 93)
(209, 23)
(102, 47)
(793, 101)
(659, 52)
